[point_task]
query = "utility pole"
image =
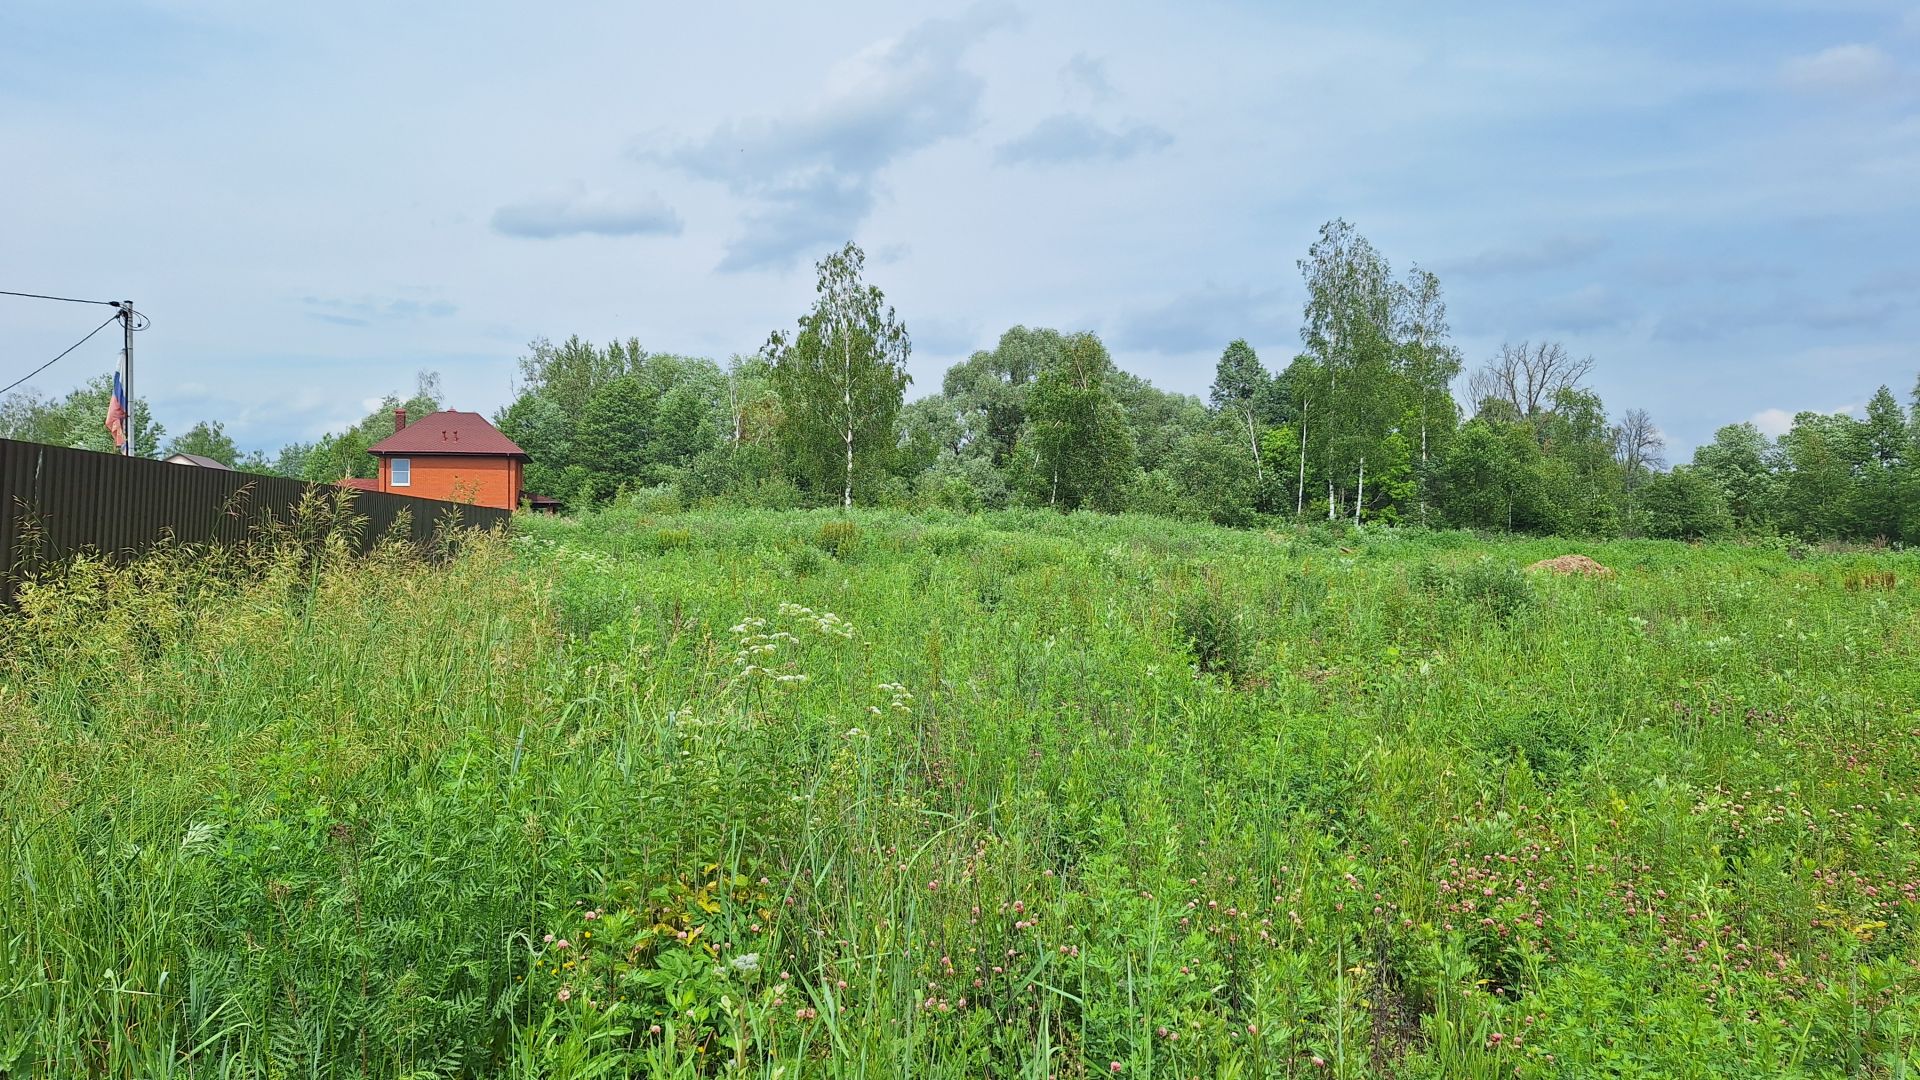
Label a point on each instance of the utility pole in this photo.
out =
(126, 368)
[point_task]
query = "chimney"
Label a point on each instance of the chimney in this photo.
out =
(399, 420)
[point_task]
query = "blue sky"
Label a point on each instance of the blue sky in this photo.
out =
(1720, 202)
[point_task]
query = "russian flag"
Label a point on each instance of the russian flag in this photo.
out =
(117, 413)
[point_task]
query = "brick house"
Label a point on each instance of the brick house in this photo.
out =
(450, 455)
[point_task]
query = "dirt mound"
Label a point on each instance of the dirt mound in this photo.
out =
(1571, 564)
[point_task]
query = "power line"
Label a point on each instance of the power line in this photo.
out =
(63, 299)
(111, 318)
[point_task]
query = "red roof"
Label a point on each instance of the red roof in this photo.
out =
(449, 431)
(359, 483)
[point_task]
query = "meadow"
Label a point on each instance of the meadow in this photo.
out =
(1016, 794)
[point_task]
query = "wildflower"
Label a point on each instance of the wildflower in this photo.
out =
(654, 1030)
(1319, 1062)
(591, 915)
(565, 994)
(1114, 1067)
(548, 939)
(745, 963)
(563, 944)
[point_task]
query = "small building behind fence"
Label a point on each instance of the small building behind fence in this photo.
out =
(56, 503)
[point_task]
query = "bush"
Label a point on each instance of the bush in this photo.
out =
(806, 562)
(1215, 634)
(838, 538)
(1502, 589)
(665, 540)
(1683, 505)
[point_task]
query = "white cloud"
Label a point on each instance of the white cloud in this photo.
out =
(1842, 67)
(1772, 423)
(813, 170)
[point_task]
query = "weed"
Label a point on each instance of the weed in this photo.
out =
(958, 805)
(838, 538)
(1497, 587)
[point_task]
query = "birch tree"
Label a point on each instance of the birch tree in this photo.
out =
(1239, 386)
(1078, 450)
(1351, 316)
(1429, 364)
(840, 379)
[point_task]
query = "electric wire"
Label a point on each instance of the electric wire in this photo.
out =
(110, 319)
(63, 299)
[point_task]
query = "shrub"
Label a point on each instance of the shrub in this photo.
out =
(1498, 587)
(806, 561)
(665, 540)
(1215, 634)
(838, 538)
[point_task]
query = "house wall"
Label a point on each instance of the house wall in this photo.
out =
(482, 481)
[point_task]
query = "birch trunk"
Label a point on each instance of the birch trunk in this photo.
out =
(846, 388)
(1253, 438)
(1300, 489)
(1360, 493)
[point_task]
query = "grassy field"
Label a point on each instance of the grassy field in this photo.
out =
(945, 796)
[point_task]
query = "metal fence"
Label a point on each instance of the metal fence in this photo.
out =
(56, 503)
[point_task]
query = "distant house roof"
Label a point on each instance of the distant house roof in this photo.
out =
(196, 459)
(449, 431)
(359, 483)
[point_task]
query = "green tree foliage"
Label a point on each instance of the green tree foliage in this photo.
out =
(1491, 478)
(1369, 401)
(1819, 458)
(1211, 476)
(1077, 450)
(78, 420)
(1581, 483)
(1428, 364)
(1738, 463)
(1156, 418)
(1883, 486)
(1351, 317)
(1363, 418)
(207, 439)
(597, 419)
(988, 391)
(1241, 389)
(840, 379)
(1686, 505)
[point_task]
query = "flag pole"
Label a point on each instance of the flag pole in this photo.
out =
(126, 369)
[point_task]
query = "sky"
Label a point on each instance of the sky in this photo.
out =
(1719, 202)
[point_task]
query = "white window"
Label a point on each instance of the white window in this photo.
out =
(400, 473)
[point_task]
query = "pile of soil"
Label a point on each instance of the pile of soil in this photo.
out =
(1571, 564)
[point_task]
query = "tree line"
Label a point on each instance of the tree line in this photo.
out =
(1361, 426)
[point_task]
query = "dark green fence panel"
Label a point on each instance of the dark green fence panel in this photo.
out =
(56, 503)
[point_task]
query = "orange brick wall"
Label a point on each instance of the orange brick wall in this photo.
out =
(483, 481)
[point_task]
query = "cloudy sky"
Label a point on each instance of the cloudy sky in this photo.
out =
(1719, 201)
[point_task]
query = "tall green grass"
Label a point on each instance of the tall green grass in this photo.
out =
(939, 795)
